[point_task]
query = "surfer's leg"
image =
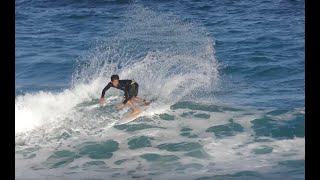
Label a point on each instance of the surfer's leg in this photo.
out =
(136, 98)
(135, 110)
(135, 95)
(146, 103)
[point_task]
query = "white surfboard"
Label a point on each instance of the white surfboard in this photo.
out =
(127, 117)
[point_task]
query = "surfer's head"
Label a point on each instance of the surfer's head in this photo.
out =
(115, 80)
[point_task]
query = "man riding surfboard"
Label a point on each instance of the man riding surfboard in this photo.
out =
(130, 88)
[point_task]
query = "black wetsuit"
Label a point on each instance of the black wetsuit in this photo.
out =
(130, 88)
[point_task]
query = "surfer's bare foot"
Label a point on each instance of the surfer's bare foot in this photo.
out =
(136, 111)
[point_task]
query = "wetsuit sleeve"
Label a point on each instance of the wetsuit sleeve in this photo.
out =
(105, 89)
(127, 88)
(127, 98)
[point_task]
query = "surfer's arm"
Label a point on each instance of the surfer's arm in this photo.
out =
(105, 89)
(128, 86)
(126, 97)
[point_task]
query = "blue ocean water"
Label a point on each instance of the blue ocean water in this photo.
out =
(228, 76)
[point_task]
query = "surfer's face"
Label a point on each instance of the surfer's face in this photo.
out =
(115, 83)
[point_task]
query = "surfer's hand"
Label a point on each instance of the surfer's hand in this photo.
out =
(120, 105)
(102, 101)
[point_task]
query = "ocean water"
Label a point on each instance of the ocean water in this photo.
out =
(228, 78)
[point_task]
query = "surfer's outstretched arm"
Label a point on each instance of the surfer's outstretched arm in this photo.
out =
(104, 91)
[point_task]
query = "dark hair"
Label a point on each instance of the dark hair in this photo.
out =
(114, 77)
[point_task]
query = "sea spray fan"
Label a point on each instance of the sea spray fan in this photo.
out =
(168, 57)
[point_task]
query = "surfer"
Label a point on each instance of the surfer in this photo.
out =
(130, 88)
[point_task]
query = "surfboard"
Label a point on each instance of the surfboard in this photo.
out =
(127, 117)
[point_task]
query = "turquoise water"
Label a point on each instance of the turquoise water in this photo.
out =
(228, 79)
